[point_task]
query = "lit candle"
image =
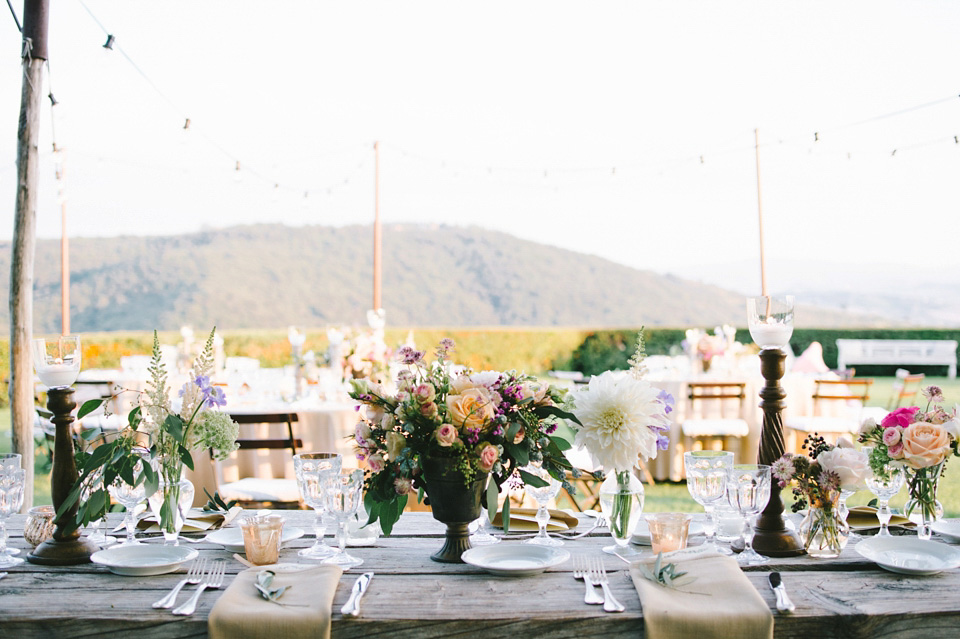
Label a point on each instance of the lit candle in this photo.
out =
(57, 375)
(771, 333)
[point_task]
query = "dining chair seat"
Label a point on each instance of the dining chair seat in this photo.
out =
(719, 427)
(254, 489)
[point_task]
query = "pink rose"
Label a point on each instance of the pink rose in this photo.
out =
(424, 393)
(488, 457)
(901, 417)
(362, 434)
(375, 462)
(891, 436)
(896, 451)
(429, 410)
(925, 444)
(446, 435)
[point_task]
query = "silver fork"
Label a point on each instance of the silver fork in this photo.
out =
(193, 577)
(213, 580)
(598, 576)
(580, 570)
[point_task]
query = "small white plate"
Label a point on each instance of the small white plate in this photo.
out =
(143, 560)
(232, 538)
(909, 555)
(949, 529)
(641, 536)
(515, 560)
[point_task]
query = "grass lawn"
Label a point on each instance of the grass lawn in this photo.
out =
(664, 496)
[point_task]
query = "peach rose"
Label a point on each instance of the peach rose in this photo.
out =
(446, 435)
(488, 457)
(395, 444)
(925, 444)
(424, 393)
(534, 390)
(471, 409)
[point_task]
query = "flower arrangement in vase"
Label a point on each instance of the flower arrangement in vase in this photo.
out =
(818, 483)
(168, 434)
(622, 419)
(920, 442)
(443, 430)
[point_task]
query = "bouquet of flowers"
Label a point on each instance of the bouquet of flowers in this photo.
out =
(365, 356)
(169, 436)
(920, 441)
(484, 422)
(818, 481)
(623, 419)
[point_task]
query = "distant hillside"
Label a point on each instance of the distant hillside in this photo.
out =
(270, 276)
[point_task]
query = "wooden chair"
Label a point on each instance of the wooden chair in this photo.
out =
(714, 420)
(843, 399)
(257, 492)
(905, 387)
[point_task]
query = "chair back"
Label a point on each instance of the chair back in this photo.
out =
(850, 391)
(248, 443)
(905, 387)
(722, 398)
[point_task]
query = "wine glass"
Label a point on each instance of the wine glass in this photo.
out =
(129, 496)
(706, 472)
(479, 536)
(885, 488)
(98, 535)
(311, 469)
(343, 493)
(10, 461)
(542, 495)
(57, 361)
(11, 498)
(748, 491)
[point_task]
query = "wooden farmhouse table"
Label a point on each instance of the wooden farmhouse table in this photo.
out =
(412, 596)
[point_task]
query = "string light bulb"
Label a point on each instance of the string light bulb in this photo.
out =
(109, 43)
(237, 176)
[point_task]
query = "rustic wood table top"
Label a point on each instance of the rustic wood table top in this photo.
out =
(414, 597)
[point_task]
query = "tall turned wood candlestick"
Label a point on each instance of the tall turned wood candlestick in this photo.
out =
(66, 547)
(771, 536)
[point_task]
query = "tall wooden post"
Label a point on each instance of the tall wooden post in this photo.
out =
(376, 228)
(763, 263)
(34, 53)
(64, 246)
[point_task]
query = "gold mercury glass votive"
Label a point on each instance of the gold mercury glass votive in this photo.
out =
(668, 531)
(39, 525)
(261, 538)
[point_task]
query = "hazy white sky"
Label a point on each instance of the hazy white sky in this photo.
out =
(578, 124)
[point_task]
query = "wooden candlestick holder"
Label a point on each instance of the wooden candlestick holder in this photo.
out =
(66, 547)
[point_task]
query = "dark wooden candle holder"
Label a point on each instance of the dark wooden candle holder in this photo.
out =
(66, 547)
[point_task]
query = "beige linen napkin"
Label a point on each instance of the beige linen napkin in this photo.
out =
(720, 602)
(241, 613)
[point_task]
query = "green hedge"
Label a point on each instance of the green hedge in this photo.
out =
(610, 350)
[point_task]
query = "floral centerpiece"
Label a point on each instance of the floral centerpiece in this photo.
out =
(921, 442)
(818, 481)
(166, 435)
(473, 423)
(622, 419)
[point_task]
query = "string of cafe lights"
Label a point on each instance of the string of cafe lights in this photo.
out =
(536, 178)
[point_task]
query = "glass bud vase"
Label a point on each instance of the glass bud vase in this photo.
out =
(170, 505)
(922, 505)
(824, 532)
(621, 500)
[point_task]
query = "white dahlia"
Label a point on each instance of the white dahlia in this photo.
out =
(619, 418)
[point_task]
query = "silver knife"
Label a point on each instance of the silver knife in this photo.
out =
(352, 607)
(783, 601)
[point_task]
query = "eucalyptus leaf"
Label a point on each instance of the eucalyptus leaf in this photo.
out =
(505, 515)
(88, 407)
(492, 494)
(531, 480)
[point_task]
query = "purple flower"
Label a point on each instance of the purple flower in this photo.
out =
(829, 481)
(663, 442)
(667, 400)
(783, 469)
(934, 394)
(409, 355)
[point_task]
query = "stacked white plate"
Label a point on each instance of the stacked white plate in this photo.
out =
(143, 559)
(909, 555)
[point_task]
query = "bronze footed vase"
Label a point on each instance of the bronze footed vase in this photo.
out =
(454, 502)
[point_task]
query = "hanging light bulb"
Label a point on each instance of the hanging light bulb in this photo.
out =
(109, 43)
(237, 176)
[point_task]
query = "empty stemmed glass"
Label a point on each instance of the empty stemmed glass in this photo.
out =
(706, 472)
(11, 498)
(885, 487)
(748, 490)
(98, 535)
(129, 496)
(542, 495)
(343, 494)
(311, 470)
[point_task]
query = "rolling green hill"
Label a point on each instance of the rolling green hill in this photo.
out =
(272, 275)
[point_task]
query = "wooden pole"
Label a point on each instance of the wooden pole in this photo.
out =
(763, 264)
(376, 228)
(34, 52)
(64, 247)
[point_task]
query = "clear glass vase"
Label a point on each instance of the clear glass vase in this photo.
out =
(922, 506)
(170, 505)
(824, 532)
(621, 500)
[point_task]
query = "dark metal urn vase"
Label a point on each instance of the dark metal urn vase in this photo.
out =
(453, 502)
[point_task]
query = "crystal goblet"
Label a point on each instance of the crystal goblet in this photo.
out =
(343, 494)
(706, 472)
(748, 491)
(311, 471)
(11, 498)
(885, 487)
(542, 495)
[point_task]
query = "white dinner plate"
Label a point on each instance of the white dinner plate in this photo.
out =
(641, 536)
(514, 559)
(232, 538)
(909, 555)
(949, 529)
(143, 560)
